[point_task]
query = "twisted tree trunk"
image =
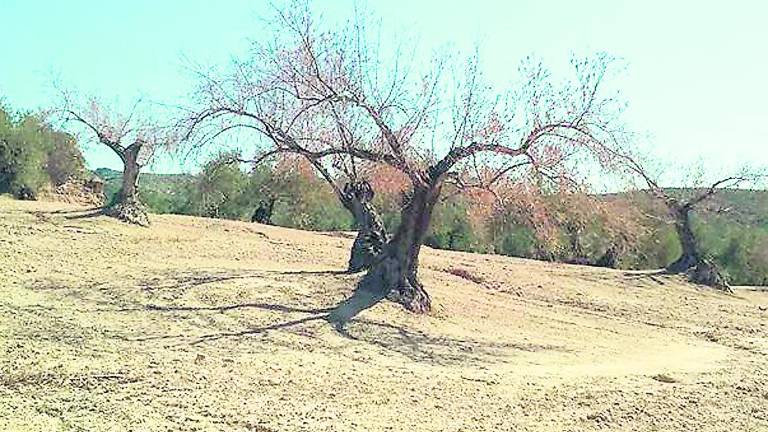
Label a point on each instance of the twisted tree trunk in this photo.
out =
(263, 213)
(130, 186)
(692, 262)
(690, 255)
(127, 207)
(371, 234)
(396, 270)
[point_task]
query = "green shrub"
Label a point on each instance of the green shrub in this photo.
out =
(23, 153)
(33, 155)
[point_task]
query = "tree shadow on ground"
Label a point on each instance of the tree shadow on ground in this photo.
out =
(657, 276)
(362, 298)
(85, 213)
(225, 308)
(417, 345)
(312, 272)
(89, 209)
(186, 280)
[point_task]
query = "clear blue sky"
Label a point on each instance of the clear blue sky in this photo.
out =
(695, 79)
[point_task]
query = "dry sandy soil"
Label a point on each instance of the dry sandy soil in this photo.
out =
(199, 324)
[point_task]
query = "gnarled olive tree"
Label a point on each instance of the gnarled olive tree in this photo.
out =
(281, 110)
(133, 137)
(681, 203)
(305, 90)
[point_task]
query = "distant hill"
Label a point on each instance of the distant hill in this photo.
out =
(158, 183)
(748, 207)
(743, 206)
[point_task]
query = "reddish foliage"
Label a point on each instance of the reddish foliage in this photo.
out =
(387, 180)
(295, 164)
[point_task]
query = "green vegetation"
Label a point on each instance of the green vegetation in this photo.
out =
(224, 190)
(33, 155)
(739, 248)
(736, 239)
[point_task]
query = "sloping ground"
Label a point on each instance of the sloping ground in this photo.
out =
(199, 324)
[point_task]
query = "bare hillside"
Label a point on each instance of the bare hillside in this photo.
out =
(200, 324)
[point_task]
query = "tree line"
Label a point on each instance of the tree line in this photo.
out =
(300, 199)
(572, 228)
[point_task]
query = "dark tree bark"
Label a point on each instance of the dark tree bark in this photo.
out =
(692, 262)
(130, 187)
(128, 207)
(610, 258)
(371, 235)
(706, 272)
(690, 255)
(396, 271)
(263, 213)
(26, 193)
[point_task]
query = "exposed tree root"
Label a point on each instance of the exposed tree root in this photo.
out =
(685, 262)
(387, 277)
(131, 211)
(412, 296)
(705, 272)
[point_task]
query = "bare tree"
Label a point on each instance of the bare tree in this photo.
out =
(267, 95)
(133, 137)
(681, 203)
(300, 137)
(433, 129)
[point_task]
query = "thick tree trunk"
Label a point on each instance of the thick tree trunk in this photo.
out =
(691, 261)
(130, 186)
(610, 258)
(690, 255)
(396, 271)
(706, 272)
(263, 213)
(127, 207)
(371, 233)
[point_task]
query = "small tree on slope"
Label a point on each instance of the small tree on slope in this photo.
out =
(133, 137)
(680, 205)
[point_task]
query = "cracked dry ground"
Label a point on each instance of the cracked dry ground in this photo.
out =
(199, 324)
